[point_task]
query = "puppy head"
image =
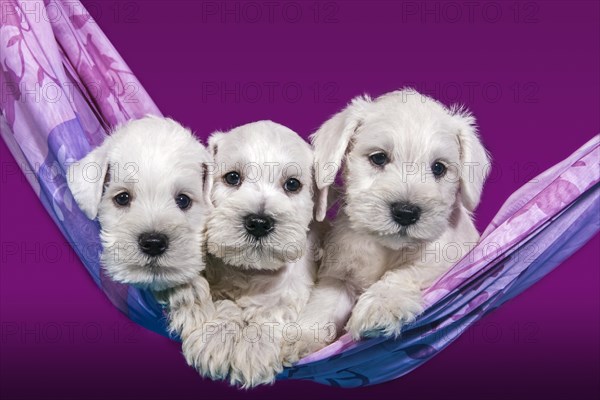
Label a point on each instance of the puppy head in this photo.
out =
(145, 185)
(409, 163)
(262, 196)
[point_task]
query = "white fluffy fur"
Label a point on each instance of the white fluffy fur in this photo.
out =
(373, 269)
(154, 160)
(260, 285)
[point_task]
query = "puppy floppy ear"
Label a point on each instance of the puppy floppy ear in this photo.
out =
(86, 179)
(211, 168)
(475, 161)
(330, 143)
(207, 166)
(208, 170)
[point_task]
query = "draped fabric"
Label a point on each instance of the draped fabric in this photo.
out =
(65, 86)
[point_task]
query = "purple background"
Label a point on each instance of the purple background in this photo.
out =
(531, 76)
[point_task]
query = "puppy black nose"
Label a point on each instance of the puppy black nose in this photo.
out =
(153, 244)
(258, 225)
(405, 214)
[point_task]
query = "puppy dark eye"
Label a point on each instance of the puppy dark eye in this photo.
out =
(438, 169)
(232, 178)
(379, 159)
(122, 199)
(292, 185)
(183, 201)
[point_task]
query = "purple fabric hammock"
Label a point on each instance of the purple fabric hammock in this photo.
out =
(65, 86)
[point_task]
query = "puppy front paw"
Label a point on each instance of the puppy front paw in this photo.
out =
(293, 351)
(209, 350)
(255, 360)
(376, 314)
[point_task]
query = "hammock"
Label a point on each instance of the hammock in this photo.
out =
(65, 86)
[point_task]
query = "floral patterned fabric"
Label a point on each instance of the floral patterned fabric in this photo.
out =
(65, 87)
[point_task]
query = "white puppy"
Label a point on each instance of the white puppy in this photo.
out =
(261, 254)
(145, 185)
(413, 174)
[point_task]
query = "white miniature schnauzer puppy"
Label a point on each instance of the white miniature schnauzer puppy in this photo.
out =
(145, 185)
(261, 253)
(413, 174)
